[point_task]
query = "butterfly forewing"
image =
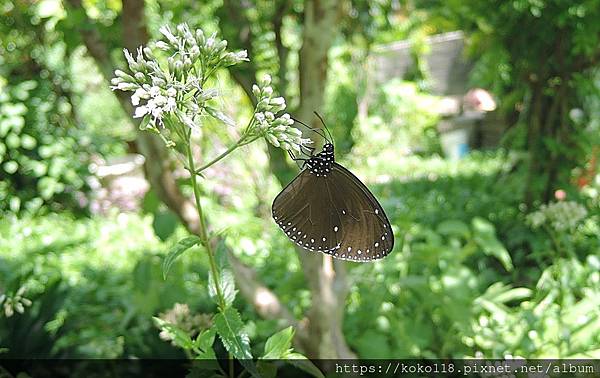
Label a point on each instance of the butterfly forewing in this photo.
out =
(300, 211)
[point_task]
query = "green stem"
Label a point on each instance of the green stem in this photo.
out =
(203, 230)
(241, 142)
(218, 158)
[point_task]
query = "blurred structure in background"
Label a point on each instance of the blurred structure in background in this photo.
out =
(466, 118)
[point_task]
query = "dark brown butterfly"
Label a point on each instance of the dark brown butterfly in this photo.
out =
(327, 209)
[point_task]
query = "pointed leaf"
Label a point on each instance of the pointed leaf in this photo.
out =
(227, 285)
(485, 237)
(181, 246)
(301, 362)
(279, 344)
(179, 336)
(205, 339)
(236, 341)
(220, 116)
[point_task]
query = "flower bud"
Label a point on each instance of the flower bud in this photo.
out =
(256, 90)
(149, 54)
(266, 80)
(272, 140)
(200, 37)
(162, 45)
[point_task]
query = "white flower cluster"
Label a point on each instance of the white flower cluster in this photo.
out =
(560, 216)
(278, 130)
(15, 303)
(176, 89)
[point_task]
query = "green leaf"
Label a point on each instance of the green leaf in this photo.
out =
(485, 237)
(514, 294)
(454, 228)
(266, 369)
(301, 362)
(205, 339)
(145, 122)
(179, 336)
(204, 342)
(235, 340)
(220, 116)
(227, 285)
(279, 344)
(181, 246)
(164, 224)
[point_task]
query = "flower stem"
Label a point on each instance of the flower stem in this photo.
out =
(203, 230)
(215, 160)
(241, 142)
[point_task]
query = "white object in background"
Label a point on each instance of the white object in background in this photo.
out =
(455, 142)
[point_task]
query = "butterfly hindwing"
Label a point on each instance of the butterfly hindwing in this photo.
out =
(366, 231)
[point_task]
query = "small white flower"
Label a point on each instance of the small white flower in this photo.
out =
(154, 91)
(171, 92)
(162, 45)
(277, 101)
(129, 58)
(166, 31)
(141, 111)
(157, 112)
(273, 140)
(266, 80)
(210, 42)
(139, 93)
(170, 105)
(160, 100)
(126, 86)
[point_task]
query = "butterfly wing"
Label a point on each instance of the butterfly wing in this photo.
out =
(366, 231)
(303, 211)
(336, 214)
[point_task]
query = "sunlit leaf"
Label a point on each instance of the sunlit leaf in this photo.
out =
(179, 336)
(279, 344)
(235, 340)
(181, 246)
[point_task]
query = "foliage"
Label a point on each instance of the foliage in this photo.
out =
(40, 164)
(402, 113)
(475, 272)
(93, 284)
(457, 288)
(543, 82)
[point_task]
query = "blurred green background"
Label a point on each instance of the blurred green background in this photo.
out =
(476, 124)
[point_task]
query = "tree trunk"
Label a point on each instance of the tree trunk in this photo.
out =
(326, 280)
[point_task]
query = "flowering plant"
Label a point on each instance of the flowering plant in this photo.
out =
(172, 95)
(559, 220)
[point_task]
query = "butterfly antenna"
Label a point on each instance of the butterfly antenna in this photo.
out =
(326, 128)
(313, 129)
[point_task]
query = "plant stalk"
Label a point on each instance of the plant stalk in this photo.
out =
(203, 230)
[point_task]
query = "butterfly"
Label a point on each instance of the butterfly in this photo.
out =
(328, 209)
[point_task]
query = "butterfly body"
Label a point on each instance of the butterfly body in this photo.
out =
(327, 209)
